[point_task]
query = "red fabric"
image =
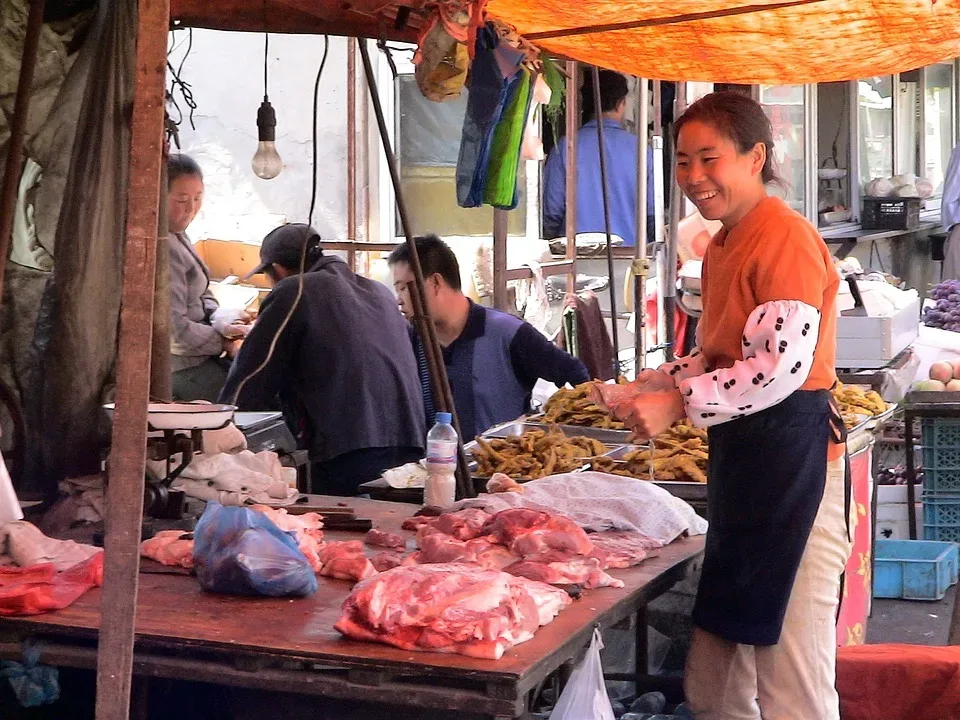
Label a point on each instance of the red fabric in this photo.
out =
(39, 588)
(857, 583)
(899, 682)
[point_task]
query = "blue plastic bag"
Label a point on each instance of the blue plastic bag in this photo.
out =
(238, 551)
(33, 684)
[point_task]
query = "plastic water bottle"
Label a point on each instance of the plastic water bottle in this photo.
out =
(440, 488)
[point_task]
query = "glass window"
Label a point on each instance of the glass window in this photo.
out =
(428, 145)
(908, 111)
(833, 153)
(938, 122)
(875, 101)
(783, 104)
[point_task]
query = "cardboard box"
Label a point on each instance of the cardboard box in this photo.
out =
(229, 257)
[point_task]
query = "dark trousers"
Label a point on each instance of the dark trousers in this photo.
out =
(202, 382)
(342, 474)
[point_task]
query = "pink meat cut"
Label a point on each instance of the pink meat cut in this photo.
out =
(387, 560)
(436, 547)
(559, 568)
(449, 607)
(623, 548)
(346, 561)
(306, 528)
(380, 538)
(530, 532)
(170, 547)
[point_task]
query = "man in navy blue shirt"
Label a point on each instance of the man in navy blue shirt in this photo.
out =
(493, 359)
(621, 161)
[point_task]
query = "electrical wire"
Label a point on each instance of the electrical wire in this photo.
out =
(266, 50)
(177, 82)
(316, 102)
(303, 252)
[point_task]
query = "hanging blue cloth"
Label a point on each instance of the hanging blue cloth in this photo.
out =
(495, 70)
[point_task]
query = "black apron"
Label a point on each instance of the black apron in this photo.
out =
(767, 474)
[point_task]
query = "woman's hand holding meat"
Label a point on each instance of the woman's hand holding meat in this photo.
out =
(648, 414)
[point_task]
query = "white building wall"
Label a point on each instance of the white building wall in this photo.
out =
(225, 72)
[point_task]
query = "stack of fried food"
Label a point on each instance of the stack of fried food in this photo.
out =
(535, 454)
(678, 454)
(855, 403)
(573, 406)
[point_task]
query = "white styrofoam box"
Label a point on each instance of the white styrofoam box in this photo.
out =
(893, 523)
(865, 342)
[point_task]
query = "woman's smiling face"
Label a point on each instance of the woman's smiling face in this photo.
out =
(722, 182)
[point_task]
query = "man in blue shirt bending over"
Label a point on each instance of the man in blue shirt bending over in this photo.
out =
(621, 161)
(493, 359)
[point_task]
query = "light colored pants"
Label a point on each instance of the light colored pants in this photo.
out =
(794, 679)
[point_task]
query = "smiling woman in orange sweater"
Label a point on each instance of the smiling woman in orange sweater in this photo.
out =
(764, 643)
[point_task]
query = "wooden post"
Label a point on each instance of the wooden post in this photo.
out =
(500, 219)
(161, 377)
(128, 453)
(18, 130)
(573, 125)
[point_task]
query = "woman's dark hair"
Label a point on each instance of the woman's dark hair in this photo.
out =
(436, 258)
(179, 165)
(740, 119)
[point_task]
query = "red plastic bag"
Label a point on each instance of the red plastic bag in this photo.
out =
(40, 588)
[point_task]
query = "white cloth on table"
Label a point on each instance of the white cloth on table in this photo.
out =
(233, 479)
(598, 501)
(22, 544)
(411, 475)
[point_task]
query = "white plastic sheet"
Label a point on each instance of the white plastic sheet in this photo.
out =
(585, 696)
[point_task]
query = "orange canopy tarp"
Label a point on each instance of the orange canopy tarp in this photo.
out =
(753, 41)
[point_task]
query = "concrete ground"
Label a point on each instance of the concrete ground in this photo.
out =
(911, 621)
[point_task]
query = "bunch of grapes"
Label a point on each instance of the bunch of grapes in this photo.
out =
(945, 314)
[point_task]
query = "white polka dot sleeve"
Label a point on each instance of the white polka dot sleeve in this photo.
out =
(685, 367)
(779, 343)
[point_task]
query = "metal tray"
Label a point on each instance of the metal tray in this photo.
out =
(519, 427)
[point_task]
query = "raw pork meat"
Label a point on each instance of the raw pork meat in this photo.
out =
(452, 608)
(623, 548)
(529, 532)
(306, 529)
(386, 560)
(170, 547)
(436, 547)
(559, 568)
(346, 561)
(379, 538)
(416, 522)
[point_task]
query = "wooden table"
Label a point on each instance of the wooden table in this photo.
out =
(289, 645)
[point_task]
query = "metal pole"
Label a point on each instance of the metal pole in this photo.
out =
(127, 463)
(640, 263)
(18, 129)
(500, 220)
(573, 125)
(351, 151)
(439, 370)
(670, 270)
(598, 114)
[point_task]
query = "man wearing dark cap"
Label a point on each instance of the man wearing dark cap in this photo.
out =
(330, 349)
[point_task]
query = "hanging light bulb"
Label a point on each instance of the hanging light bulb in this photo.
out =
(266, 161)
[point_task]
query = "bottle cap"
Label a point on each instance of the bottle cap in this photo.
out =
(444, 418)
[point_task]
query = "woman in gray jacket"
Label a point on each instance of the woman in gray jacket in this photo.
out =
(202, 335)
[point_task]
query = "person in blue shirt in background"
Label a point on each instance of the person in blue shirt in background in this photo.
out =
(493, 359)
(621, 161)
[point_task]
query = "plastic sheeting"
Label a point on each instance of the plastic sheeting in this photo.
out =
(780, 42)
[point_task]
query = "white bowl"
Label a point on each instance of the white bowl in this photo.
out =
(184, 416)
(831, 173)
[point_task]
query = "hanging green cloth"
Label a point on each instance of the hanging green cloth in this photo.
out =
(501, 189)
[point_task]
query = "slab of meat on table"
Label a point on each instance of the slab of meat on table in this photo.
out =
(529, 532)
(561, 568)
(346, 561)
(170, 547)
(387, 560)
(623, 548)
(449, 607)
(437, 547)
(381, 538)
(463, 524)
(306, 529)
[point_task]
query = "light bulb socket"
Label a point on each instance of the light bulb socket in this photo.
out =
(266, 122)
